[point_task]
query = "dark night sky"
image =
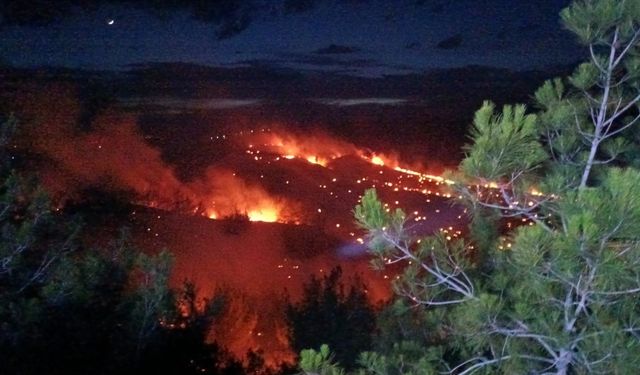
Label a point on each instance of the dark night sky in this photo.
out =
(357, 37)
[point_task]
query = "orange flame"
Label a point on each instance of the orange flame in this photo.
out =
(393, 163)
(316, 160)
(321, 150)
(224, 194)
(377, 160)
(269, 215)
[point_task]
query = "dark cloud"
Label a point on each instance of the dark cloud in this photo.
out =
(299, 6)
(451, 42)
(326, 63)
(38, 13)
(229, 16)
(437, 8)
(413, 46)
(326, 60)
(336, 49)
(233, 26)
(109, 34)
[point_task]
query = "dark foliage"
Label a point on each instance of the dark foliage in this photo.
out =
(329, 315)
(236, 224)
(68, 308)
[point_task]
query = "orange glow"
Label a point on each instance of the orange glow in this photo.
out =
(382, 160)
(269, 215)
(227, 195)
(535, 192)
(377, 160)
(321, 150)
(316, 160)
(423, 175)
(267, 212)
(317, 150)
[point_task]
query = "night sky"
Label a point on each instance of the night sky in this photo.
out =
(368, 38)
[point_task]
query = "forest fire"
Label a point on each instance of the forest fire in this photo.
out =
(322, 150)
(266, 176)
(221, 194)
(254, 183)
(317, 149)
(227, 188)
(269, 176)
(264, 214)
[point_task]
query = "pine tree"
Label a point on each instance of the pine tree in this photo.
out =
(329, 315)
(561, 293)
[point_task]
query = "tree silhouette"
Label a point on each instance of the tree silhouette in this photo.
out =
(329, 315)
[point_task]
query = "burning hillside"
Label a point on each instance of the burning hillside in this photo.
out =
(305, 184)
(268, 175)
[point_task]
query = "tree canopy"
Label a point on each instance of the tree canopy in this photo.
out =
(329, 314)
(557, 291)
